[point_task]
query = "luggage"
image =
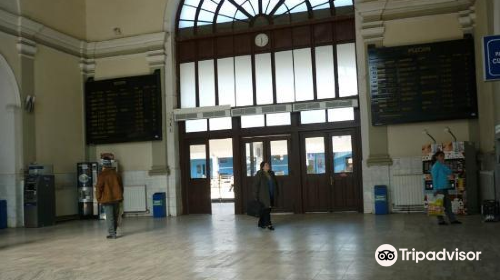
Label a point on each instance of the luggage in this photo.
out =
(254, 208)
(490, 210)
(436, 205)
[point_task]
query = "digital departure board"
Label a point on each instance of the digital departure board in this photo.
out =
(426, 82)
(124, 109)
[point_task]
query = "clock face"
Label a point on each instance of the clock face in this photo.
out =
(261, 40)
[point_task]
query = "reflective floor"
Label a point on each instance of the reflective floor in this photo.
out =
(224, 246)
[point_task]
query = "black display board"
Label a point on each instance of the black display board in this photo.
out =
(427, 82)
(124, 109)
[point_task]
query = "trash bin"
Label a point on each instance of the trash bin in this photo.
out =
(3, 214)
(381, 201)
(159, 207)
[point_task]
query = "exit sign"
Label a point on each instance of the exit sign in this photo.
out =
(491, 57)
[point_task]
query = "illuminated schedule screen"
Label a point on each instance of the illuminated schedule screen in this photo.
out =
(124, 109)
(427, 82)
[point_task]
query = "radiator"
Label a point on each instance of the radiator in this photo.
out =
(407, 193)
(487, 184)
(134, 199)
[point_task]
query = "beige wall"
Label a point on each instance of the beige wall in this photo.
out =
(131, 156)
(131, 16)
(406, 140)
(67, 16)
(58, 110)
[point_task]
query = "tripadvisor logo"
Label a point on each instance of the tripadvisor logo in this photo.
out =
(387, 255)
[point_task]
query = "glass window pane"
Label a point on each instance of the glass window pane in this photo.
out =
(303, 74)
(225, 81)
(196, 125)
(249, 8)
(315, 116)
(278, 119)
(244, 87)
(206, 79)
(346, 58)
(188, 85)
(325, 72)
(252, 121)
(315, 155)
(284, 76)
(185, 24)
(188, 13)
(220, 123)
(342, 3)
(270, 7)
(315, 3)
(227, 9)
(264, 78)
(342, 154)
(198, 161)
(206, 16)
(299, 8)
(254, 156)
(340, 114)
(210, 6)
(279, 157)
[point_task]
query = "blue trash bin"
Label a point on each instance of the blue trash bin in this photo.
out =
(3, 214)
(381, 201)
(159, 205)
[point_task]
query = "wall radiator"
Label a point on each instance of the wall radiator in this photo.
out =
(407, 193)
(134, 199)
(487, 185)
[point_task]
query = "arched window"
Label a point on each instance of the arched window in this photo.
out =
(246, 53)
(210, 16)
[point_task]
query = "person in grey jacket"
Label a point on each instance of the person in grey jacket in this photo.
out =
(265, 190)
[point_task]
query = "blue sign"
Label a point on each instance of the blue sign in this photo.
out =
(491, 45)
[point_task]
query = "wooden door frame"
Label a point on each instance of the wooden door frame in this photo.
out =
(355, 133)
(186, 165)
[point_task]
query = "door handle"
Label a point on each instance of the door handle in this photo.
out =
(331, 181)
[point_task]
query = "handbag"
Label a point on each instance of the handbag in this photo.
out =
(435, 207)
(254, 208)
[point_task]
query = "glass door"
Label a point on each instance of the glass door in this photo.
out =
(276, 151)
(315, 175)
(330, 172)
(345, 192)
(199, 201)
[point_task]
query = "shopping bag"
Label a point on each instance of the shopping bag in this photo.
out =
(436, 205)
(254, 208)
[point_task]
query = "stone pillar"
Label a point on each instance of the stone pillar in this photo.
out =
(174, 194)
(27, 50)
(87, 67)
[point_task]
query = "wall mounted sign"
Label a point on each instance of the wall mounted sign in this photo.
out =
(491, 57)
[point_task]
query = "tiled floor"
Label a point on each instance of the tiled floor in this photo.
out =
(222, 246)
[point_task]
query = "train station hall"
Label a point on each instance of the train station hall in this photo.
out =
(249, 139)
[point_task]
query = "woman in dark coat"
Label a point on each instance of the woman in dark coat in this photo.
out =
(265, 189)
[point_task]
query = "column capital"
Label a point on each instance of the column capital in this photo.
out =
(26, 47)
(87, 67)
(156, 59)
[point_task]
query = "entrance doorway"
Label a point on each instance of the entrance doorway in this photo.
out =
(211, 176)
(277, 151)
(330, 171)
(221, 176)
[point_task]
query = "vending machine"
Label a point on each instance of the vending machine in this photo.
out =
(87, 173)
(460, 157)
